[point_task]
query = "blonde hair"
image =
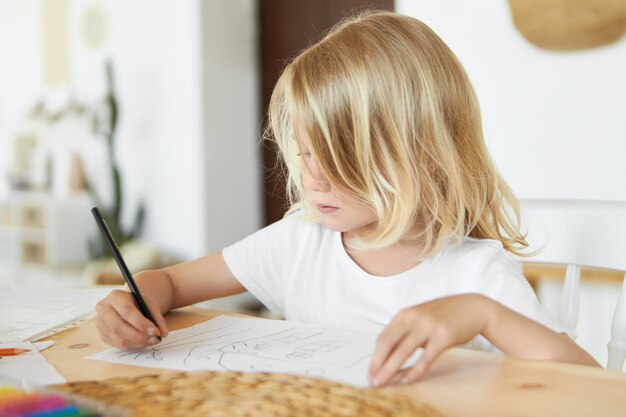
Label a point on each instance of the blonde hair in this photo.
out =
(392, 118)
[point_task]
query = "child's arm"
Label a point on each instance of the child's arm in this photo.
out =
(122, 325)
(451, 321)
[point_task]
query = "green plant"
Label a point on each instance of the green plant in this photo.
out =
(105, 125)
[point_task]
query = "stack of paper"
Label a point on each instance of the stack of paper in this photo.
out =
(31, 313)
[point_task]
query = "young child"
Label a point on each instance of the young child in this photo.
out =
(399, 220)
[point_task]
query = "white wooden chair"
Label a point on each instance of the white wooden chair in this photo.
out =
(581, 233)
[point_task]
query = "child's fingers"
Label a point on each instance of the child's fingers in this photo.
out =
(121, 323)
(128, 312)
(117, 327)
(398, 377)
(432, 350)
(385, 343)
(130, 327)
(111, 339)
(127, 308)
(393, 334)
(159, 319)
(397, 358)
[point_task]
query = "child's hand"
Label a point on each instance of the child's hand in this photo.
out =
(122, 325)
(434, 326)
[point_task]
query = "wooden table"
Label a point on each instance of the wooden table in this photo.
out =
(461, 383)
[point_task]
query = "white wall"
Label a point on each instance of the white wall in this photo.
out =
(157, 50)
(20, 69)
(555, 122)
(187, 86)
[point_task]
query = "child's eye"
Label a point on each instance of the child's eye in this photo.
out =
(304, 154)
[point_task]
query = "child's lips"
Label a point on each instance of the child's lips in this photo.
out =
(324, 209)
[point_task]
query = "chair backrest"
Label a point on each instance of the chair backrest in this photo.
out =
(581, 233)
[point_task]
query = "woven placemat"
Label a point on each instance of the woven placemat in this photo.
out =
(244, 394)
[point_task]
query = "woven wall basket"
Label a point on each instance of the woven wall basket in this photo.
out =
(244, 394)
(570, 24)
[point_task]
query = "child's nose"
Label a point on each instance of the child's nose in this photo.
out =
(321, 185)
(314, 178)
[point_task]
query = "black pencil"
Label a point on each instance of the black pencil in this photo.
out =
(122, 265)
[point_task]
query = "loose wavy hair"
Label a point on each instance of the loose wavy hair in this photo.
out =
(392, 118)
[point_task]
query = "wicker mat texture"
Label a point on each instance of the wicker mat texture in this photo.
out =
(244, 394)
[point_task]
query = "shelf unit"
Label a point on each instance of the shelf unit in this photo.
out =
(41, 230)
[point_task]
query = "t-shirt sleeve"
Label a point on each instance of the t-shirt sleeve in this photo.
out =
(259, 262)
(501, 278)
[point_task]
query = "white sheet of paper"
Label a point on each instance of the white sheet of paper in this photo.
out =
(31, 313)
(29, 368)
(41, 346)
(258, 345)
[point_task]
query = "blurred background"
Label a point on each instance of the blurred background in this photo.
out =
(153, 111)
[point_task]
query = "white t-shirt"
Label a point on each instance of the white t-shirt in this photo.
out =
(302, 271)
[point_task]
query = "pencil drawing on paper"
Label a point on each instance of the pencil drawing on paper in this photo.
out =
(257, 345)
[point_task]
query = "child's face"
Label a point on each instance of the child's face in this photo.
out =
(340, 210)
